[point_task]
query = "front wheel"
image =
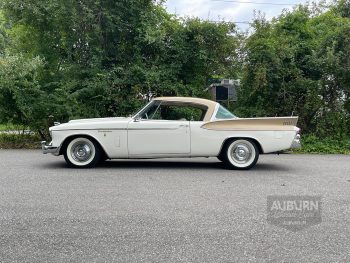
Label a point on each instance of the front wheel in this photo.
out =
(82, 153)
(240, 154)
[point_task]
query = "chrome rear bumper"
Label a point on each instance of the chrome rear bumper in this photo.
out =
(48, 148)
(296, 142)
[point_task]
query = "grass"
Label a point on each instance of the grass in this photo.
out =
(4, 127)
(19, 141)
(313, 144)
(10, 127)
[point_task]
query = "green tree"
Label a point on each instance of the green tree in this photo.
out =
(98, 55)
(299, 64)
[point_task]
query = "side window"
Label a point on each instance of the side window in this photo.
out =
(173, 111)
(224, 113)
(178, 112)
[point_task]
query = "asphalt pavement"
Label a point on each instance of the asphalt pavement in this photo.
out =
(170, 210)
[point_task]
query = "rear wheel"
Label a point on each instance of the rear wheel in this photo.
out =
(82, 153)
(240, 154)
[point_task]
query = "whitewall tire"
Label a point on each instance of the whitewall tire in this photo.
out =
(240, 154)
(82, 152)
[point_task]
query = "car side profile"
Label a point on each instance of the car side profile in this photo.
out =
(173, 127)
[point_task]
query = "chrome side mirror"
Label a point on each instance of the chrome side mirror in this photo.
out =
(137, 118)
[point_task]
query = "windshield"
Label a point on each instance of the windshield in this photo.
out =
(142, 111)
(224, 113)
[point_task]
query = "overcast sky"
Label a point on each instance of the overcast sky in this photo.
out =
(229, 11)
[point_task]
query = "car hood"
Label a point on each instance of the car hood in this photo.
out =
(93, 124)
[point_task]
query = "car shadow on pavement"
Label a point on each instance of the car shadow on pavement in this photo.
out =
(161, 164)
(272, 167)
(144, 164)
(165, 164)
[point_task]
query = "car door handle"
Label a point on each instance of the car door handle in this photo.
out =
(183, 125)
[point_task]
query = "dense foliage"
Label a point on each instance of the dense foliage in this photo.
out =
(300, 64)
(70, 59)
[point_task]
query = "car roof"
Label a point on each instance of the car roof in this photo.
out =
(205, 102)
(209, 104)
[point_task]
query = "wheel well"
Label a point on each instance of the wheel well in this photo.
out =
(228, 140)
(72, 137)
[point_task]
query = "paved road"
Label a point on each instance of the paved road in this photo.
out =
(167, 211)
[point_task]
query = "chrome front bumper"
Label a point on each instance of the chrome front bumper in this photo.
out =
(48, 148)
(296, 142)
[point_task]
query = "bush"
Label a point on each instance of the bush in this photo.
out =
(19, 141)
(313, 144)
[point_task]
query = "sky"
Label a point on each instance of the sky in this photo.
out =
(235, 11)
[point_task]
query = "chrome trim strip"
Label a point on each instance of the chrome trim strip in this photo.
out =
(209, 129)
(158, 155)
(155, 129)
(122, 129)
(94, 129)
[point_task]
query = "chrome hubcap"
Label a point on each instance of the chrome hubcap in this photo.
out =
(81, 151)
(241, 153)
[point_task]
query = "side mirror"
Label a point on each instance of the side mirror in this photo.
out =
(137, 118)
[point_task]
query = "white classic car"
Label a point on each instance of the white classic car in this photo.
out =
(173, 127)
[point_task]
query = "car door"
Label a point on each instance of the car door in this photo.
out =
(147, 138)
